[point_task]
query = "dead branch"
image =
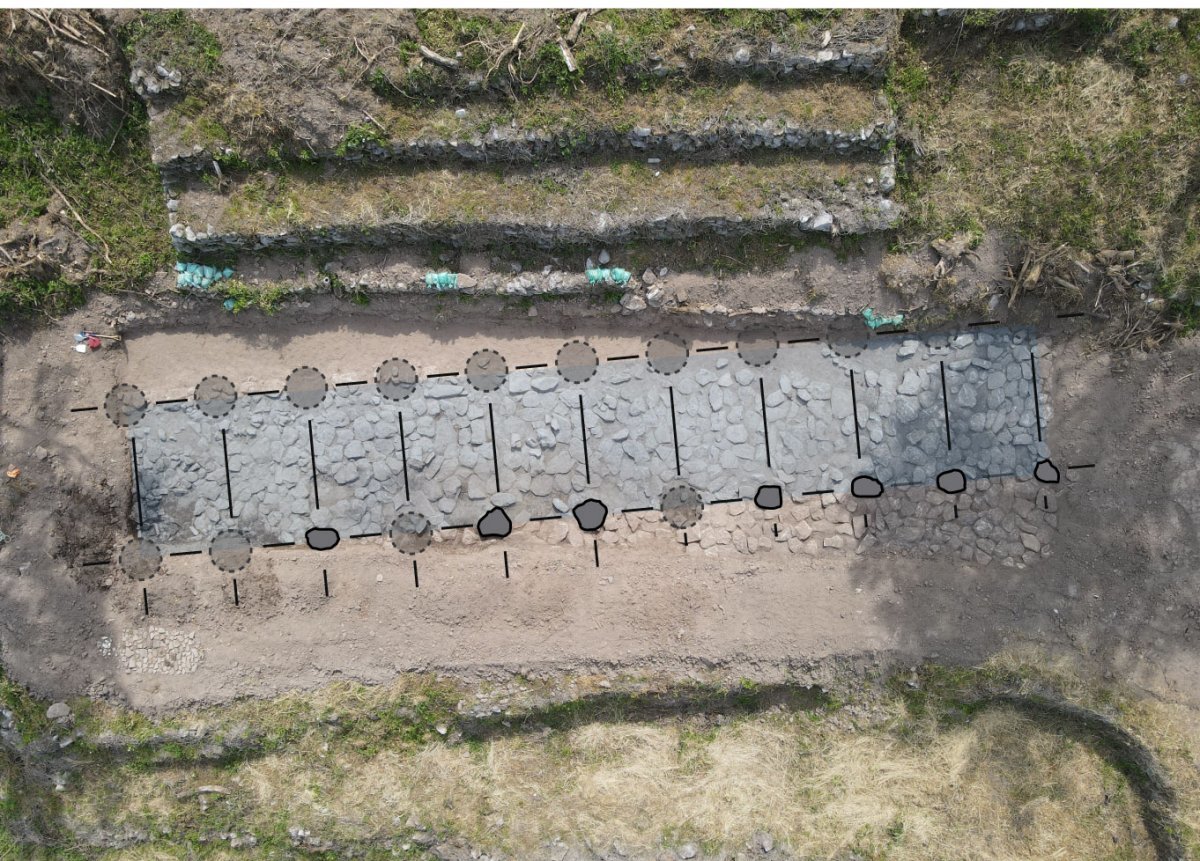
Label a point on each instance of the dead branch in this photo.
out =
(66, 31)
(506, 53)
(576, 26)
(434, 57)
(568, 57)
(377, 122)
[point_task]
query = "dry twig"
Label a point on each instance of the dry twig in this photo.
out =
(79, 218)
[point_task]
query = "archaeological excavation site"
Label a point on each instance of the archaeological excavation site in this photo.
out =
(599, 434)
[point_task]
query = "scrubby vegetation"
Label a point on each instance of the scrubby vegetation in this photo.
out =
(994, 760)
(1086, 135)
(109, 195)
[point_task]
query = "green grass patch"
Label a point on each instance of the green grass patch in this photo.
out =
(176, 40)
(113, 187)
(1081, 135)
(266, 298)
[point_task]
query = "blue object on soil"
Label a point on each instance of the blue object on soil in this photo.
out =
(876, 320)
(199, 276)
(441, 280)
(608, 276)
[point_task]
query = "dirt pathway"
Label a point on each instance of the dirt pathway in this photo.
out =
(1115, 588)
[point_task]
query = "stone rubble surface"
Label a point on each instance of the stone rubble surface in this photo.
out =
(159, 651)
(543, 473)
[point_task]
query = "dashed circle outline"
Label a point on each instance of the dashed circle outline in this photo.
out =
(595, 356)
(765, 331)
(668, 336)
(416, 379)
(240, 534)
(144, 409)
(699, 499)
(196, 395)
(428, 530)
(503, 375)
(324, 382)
(128, 544)
(829, 342)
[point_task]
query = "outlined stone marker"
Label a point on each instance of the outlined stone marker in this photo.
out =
(494, 524)
(866, 487)
(952, 481)
(769, 497)
(1046, 472)
(590, 515)
(322, 538)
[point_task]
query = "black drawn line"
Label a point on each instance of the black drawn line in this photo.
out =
(495, 457)
(137, 482)
(762, 393)
(674, 430)
(946, 407)
(587, 464)
(228, 481)
(854, 402)
(1037, 403)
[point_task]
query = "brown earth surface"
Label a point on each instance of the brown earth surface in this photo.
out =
(1115, 590)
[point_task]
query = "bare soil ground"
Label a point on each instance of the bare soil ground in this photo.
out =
(1115, 591)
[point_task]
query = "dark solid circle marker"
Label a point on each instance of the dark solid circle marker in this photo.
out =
(306, 387)
(866, 487)
(681, 505)
(667, 353)
(125, 405)
(576, 361)
(410, 531)
(140, 559)
(590, 515)
(396, 379)
(757, 347)
(215, 396)
(486, 370)
(230, 551)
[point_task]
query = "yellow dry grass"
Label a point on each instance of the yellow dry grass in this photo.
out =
(575, 195)
(998, 788)
(1090, 146)
(237, 116)
(829, 105)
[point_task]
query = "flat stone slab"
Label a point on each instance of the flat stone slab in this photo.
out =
(807, 419)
